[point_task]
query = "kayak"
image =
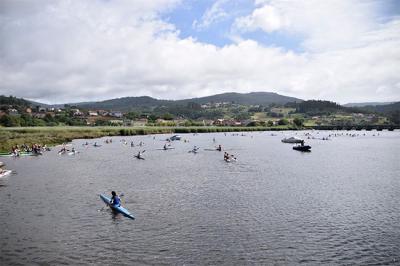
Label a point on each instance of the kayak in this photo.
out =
(73, 152)
(171, 148)
(20, 154)
(139, 157)
(119, 209)
(5, 173)
(302, 148)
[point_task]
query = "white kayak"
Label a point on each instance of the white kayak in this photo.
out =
(5, 173)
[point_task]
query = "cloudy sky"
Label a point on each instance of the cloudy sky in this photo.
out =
(59, 51)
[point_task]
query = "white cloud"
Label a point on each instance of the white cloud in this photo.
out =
(267, 18)
(63, 51)
(212, 15)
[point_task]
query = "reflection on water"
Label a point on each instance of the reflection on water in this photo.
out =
(338, 204)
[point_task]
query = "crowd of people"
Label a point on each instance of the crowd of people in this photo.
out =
(34, 148)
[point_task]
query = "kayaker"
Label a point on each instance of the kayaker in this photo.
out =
(115, 200)
(226, 156)
(63, 149)
(219, 148)
(165, 146)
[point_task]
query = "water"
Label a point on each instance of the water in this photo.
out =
(337, 205)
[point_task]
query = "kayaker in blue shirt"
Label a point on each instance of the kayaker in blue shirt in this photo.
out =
(115, 200)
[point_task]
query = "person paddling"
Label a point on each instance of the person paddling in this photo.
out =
(219, 148)
(115, 200)
(226, 156)
(139, 155)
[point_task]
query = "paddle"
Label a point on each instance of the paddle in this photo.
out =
(121, 196)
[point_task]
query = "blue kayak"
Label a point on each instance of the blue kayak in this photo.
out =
(119, 209)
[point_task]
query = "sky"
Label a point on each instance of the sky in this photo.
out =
(59, 51)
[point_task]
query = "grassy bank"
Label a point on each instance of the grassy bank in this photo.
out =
(56, 135)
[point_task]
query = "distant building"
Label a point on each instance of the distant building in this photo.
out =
(39, 115)
(92, 113)
(52, 114)
(13, 111)
(227, 122)
(116, 114)
(218, 122)
(102, 112)
(76, 112)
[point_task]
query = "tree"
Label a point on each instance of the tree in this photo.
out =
(242, 116)
(10, 121)
(152, 118)
(283, 122)
(132, 115)
(298, 122)
(167, 116)
(394, 117)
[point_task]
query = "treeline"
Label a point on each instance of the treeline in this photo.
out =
(25, 120)
(7, 101)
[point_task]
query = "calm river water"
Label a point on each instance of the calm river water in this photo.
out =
(337, 205)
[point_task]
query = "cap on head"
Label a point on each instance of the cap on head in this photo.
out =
(113, 193)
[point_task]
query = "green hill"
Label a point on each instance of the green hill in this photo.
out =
(132, 103)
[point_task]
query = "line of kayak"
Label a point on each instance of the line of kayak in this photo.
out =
(20, 154)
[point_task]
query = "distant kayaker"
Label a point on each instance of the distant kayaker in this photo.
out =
(115, 200)
(165, 146)
(226, 156)
(219, 148)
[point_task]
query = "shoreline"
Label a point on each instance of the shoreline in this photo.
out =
(52, 136)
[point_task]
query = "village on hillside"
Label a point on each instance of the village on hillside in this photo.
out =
(22, 113)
